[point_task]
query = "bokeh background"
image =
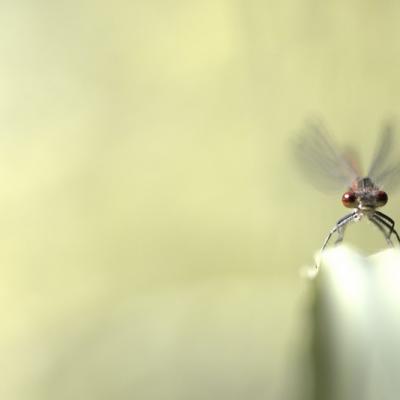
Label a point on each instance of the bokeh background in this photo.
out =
(153, 224)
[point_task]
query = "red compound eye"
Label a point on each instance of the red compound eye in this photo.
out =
(349, 199)
(381, 198)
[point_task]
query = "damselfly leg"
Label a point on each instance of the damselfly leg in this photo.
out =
(388, 222)
(380, 226)
(339, 229)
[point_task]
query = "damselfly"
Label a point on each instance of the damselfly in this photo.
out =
(330, 168)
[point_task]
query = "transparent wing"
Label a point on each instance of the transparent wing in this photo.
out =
(319, 158)
(382, 151)
(385, 166)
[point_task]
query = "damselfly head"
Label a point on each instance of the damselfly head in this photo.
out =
(365, 195)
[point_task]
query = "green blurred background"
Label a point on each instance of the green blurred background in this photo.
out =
(153, 224)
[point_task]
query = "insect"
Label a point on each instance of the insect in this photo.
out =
(329, 168)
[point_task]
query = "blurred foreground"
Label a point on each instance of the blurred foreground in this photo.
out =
(357, 326)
